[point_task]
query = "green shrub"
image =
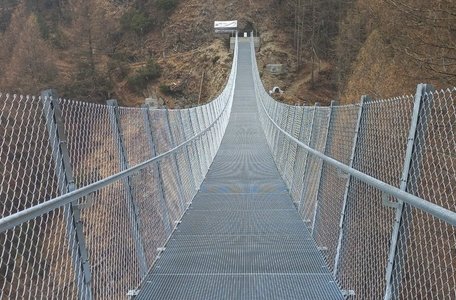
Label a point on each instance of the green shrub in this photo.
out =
(136, 21)
(87, 83)
(165, 89)
(167, 4)
(144, 75)
(42, 26)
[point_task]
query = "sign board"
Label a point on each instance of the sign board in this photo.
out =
(225, 26)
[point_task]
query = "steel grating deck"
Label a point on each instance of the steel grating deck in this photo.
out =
(242, 237)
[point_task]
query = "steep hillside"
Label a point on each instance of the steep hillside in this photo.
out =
(99, 49)
(132, 49)
(386, 47)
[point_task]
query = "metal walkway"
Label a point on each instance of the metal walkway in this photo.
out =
(242, 237)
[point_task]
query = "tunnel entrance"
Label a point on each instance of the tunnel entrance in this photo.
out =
(248, 29)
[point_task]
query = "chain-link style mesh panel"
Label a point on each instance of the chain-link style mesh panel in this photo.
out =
(93, 151)
(330, 194)
(300, 160)
(26, 168)
(35, 261)
(110, 244)
(426, 251)
(380, 152)
(311, 179)
(102, 244)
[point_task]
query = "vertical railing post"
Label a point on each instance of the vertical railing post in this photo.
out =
(131, 206)
(156, 170)
(299, 137)
(320, 173)
(364, 99)
(180, 187)
(204, 148)
(283, 141)
(192, 172)
(208, 135)
(273, 131)
(64, 174)
(422, 103)
(195, 145)
(277, 152)
(210, 140)
(213, 131)
(287, 148)
(307, 142)
(217, 126)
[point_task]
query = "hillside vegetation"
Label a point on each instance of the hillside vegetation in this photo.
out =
(131, 49)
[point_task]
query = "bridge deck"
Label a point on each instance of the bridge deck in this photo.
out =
(241, 238)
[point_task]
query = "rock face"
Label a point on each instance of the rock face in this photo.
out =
(276, 69)
(154, 101)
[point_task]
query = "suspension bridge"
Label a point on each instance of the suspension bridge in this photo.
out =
(241, 198)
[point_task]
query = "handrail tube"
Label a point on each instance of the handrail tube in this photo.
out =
(30, 213)
(429, 207)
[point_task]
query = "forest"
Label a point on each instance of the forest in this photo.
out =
(131, 49)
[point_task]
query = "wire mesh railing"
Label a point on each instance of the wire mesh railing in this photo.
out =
(376, 184)
(90, 193)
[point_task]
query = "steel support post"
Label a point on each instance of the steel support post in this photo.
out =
(283, 141)
(306, 161)
(295, 158)
(272, 129)
(66, 184)
(213, 130)
(421, 109)
(364, 99)
(287, 149)
(131, 206)
(208, 133)
(195, 145)
(276, 134)
(176, 164)
(329, 131)
(217, 125)
(157, 170)
(297, 123)
(223, 113)
(280, 150)
(203, 127)
(267, 128)
(181, 122)
(271, 138)
(201, 139)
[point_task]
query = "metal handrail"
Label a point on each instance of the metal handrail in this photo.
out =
(35, 211)
(427, 206)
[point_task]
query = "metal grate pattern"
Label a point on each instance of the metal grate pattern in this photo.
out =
(377, 189)
(243, 287)
(242, 237)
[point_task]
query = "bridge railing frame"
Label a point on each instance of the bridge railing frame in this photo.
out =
(397, 261)
(169, 151)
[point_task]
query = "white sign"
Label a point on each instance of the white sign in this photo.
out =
(225, 25)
